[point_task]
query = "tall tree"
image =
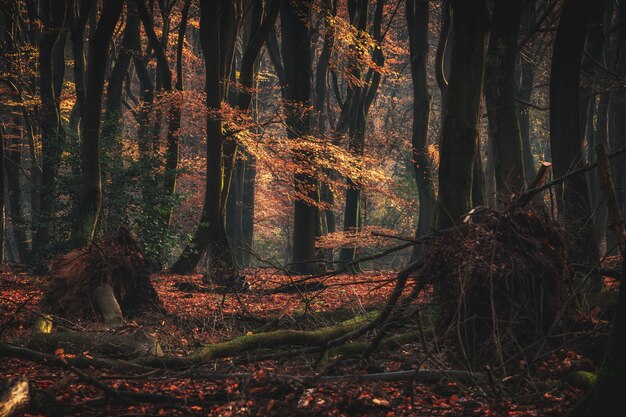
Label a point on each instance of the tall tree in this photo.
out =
(296, 53)
(210, 234)
(91, 190)
(462, 104)
(565, 133)
(527, 70)
(52, 15)
(361, 93)
(500, 89)
(417, 16)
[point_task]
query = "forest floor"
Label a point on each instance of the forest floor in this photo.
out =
(192, 319)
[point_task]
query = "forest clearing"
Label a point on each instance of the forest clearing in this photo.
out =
(312, 207)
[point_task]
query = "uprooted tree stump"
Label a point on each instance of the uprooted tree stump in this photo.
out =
(78, 280)
(499, 284)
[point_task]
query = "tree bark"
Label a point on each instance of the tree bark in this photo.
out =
(211, 233)
(417, 16)
(296, 53)
(500, 89)
(605, 397)
(53, 17)
(91, 190)
(565, 135)
(462, 104)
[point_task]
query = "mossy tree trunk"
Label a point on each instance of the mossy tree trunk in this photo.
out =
(52, 16)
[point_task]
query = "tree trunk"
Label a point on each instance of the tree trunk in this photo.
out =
(361, 97)
(500, 89)
(91, 191)
(565, 135)
(78, 23)
(417, 15)
(211, 234)
(53, 17)
(527, 69)
(605, 397)
(12, 168)
(462, 104)
(296, 53)
(618, 111)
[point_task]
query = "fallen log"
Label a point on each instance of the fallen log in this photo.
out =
(254, 341)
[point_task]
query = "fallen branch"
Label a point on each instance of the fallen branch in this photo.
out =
(17, 352)
(254, 341)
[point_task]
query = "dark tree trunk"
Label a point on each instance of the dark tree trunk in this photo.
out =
(462, 104)
(91, 192)
(111, 126)
(606, 395)
(500, 89)
(247, 208)
(260, 30)
(211, 234)
(12, 169)
(53, 17)
(361, 97)
(2, 197)
(296, 53)
(565, 135)
(173, 130)
(527, 69)
(417, 15)
(78, 23)
(618, 110)
(594, 108)
(321, 103)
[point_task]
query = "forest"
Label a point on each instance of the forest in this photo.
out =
(312, 208)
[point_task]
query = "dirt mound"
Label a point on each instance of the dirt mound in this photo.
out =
(114, 260)
(500, 283)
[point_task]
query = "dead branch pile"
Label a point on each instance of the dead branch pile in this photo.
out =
(114, 260)
(499, 284)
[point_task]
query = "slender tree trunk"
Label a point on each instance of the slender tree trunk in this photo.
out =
(12, 167)
(361, 97)
(594, 108)
(618, 111)
(91, 191)
(173, 131)
(296, 53)
(500, 89)
(78, 23)
(462, 104)
(260, 30)
(247, 208)
(417, 15)
(211, 234)
(527, 69)
(565, 135)
(111, 126)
